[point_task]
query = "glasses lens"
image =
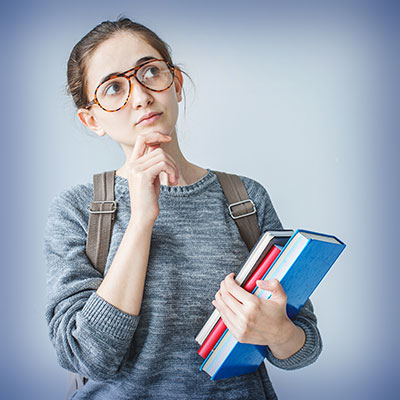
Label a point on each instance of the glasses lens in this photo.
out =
(155, 75)
(112, 94)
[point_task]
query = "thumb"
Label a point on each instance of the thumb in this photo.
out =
(276, 289)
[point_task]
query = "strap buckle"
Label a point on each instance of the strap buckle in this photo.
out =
(242, 215)
(112, 211)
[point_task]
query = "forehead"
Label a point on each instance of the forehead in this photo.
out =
(117, 54)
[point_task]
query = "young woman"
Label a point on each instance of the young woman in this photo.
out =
(173, 248)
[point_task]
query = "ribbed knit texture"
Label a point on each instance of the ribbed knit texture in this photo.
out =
(195, 244)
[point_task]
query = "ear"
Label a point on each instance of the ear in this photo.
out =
(178, 83)
(89, 120)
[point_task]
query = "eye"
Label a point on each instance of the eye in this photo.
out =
(151, 72)
(112, 89)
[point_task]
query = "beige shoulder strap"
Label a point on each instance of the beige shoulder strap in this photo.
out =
(241, 208)
(101, 217)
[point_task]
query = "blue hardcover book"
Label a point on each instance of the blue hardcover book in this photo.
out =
(300, 267)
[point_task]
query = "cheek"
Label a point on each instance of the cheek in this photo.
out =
(122, 117)
(115, 124)
(173, 106)
(170, 98)
(175, 111)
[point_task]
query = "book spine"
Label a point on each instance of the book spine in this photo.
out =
(212, 339)
(262, 269)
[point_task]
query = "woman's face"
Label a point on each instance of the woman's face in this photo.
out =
(118, 54)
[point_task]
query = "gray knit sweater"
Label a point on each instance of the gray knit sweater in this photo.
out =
(194, 245)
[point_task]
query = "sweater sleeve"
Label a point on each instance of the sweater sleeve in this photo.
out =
(305, 319)
(312, 347)
(90, 336)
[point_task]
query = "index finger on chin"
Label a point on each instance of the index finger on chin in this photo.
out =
(145, 143)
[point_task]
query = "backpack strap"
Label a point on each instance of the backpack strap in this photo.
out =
(241, 208)
(101, 218)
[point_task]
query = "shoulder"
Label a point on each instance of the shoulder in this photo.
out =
(74, 200)
(257, 192)
(77, 193)
(253, 187)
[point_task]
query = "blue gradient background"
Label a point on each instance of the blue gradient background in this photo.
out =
(317, 104)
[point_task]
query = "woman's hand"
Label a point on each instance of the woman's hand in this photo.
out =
(259, 321)
(144, 166)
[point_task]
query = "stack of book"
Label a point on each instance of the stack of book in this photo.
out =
(299, 260)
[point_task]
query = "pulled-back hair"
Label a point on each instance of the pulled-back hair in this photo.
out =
(76, 72)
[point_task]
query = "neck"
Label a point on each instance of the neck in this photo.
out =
(188, 172)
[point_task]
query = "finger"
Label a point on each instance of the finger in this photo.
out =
(232, 302)
(158, 155)
(150, 148)
(235, 290)
(275, 288)
(161, 166)
(149, 160)
(148, 139)
(227, 315)
(153, 144)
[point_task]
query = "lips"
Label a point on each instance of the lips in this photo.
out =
(147, 117)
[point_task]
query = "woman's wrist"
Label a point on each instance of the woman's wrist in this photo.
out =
(293, 339)
(143, 225)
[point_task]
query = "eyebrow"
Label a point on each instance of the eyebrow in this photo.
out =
(138, 62)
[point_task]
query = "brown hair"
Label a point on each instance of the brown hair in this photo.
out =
(76, 72)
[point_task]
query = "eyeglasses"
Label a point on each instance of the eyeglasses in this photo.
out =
(113, 94)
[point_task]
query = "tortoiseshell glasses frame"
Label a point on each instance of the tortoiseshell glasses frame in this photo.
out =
(132, 73)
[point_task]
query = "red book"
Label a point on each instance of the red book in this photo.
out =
(220, 327)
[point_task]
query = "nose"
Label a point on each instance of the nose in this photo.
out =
(140, 96)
